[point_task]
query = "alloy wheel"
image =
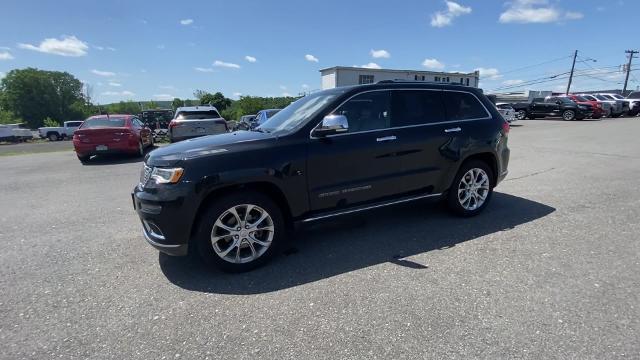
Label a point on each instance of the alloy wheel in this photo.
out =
(568, 115)
(242, 233)
(473, 189)
(521, 115)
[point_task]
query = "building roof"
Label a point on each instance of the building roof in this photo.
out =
(474, 73)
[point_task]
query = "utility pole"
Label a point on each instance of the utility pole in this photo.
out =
(631, 53)
(573, 66)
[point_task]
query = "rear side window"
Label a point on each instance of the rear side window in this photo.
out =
(463, 106)
(197, 115)
(103, 122)
(416, 107)
(74, 123)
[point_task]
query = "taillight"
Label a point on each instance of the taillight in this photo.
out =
(172, 124)
(124, 133)
(505, 127)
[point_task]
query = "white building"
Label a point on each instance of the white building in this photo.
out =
(345, 76)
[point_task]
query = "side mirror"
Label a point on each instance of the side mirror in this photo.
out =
(331, 124)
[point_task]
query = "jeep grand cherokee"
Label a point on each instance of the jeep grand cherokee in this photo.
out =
(232, 197)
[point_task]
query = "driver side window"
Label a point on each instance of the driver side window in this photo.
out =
(367, 111)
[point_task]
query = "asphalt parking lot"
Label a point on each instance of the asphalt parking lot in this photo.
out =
(550, 270)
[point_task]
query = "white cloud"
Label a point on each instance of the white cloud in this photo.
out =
(167, 87)
(66, 46)
(5, 55)
(237, 94)
(305, 86)
(444, 18)
(2, 74)
(573, 15)
(163, 97)
(512, 82)
(98, 47)
(311, 58)
(114, 84)
(489, 73)
(380, 54)
(103, 73)
(118, 93)
(371, 65)
(186, 21)
(205, 70)
(250, 59)
(226, 64)
(433, 64)
(535, 11)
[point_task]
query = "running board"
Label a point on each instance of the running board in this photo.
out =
(368, 207)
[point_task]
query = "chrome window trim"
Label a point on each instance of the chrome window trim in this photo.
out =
(406, 126)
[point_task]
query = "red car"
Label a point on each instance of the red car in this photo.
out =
(109, 134)
(598, 110)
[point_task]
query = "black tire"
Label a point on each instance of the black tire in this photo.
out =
(633, 113)
(84, 159)
(568, 115)
(453, 203)
(52, 137)
(615, 115)
(141, 148)
(216, 209)
(521, 114)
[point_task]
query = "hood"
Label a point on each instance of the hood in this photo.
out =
(204, 146)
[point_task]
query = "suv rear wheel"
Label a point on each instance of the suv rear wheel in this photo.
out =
(240, 232)
(471, 189)
(521, 114)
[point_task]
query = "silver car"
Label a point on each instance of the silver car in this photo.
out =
(194, 121)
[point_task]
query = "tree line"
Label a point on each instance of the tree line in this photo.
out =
(36, 97)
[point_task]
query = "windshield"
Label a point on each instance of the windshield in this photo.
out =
(616, 96)
(299, 111)
(589, 97)
(608, 97)
(580, 98)
(197, 115)
(103, 122)
(600, 97)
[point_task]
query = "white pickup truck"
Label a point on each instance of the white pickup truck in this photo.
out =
(14, 133)
(59, 133)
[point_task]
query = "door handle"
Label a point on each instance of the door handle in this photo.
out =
(386, 138)
(455, 129)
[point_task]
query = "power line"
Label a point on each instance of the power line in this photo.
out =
(535, 65)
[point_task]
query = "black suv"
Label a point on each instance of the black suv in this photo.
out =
(234, 197)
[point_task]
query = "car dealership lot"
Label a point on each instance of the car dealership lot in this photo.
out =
(551, 269)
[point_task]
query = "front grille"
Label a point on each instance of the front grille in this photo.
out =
(145, 174)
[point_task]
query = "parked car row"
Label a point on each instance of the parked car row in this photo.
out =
(579, 106)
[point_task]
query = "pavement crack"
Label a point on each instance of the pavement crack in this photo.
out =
(530, 175)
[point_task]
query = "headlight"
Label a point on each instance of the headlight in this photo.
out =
(166, 176)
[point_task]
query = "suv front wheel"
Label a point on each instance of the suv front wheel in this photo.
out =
(240, 232)
(471, 189)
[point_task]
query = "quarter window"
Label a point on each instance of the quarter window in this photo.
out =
(365, 79)
(463, 106)
(416, 107)
(367, 111)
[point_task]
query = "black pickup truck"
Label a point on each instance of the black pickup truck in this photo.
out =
(552, 106)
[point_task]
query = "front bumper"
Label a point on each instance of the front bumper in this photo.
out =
(166, 217)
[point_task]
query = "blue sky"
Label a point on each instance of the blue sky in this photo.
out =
(143, 50)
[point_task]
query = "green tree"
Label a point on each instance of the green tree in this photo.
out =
(7, 117)
(49, 122)
(123, 107)
(33, 95)
(218, 99)
(176, 103)
(151, 105)
(188, 102)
